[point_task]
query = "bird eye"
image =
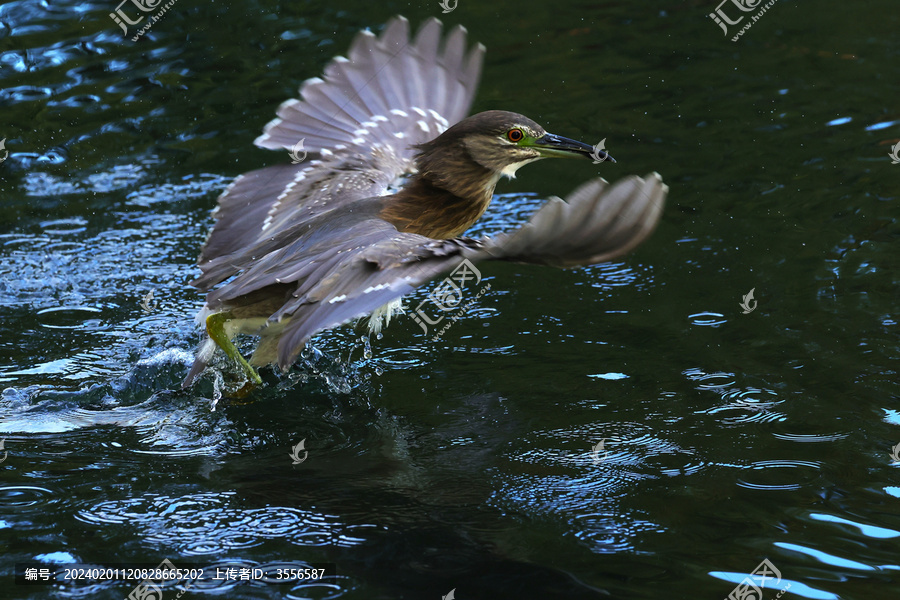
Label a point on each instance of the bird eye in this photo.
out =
(515, 135)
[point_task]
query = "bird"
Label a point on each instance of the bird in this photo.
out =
(395, 173)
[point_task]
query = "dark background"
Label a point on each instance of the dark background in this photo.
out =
(466, 463)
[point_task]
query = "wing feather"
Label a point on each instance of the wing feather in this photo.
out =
(383, 75)
(347, 279)
(359, 123)
(275, 227)
(598, 223)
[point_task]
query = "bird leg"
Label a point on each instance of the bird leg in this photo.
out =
(215, 327)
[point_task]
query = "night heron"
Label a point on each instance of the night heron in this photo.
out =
(309, 246)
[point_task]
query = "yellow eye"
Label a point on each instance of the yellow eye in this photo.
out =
(515, 135)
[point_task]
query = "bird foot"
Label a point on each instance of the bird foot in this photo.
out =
(215, 327)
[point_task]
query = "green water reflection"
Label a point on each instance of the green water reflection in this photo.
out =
(468, 463)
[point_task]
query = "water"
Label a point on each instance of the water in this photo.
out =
(472, 462)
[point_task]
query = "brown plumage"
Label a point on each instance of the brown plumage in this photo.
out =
(451, 188)
(302, 248)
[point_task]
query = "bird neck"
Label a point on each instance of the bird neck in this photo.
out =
(439, 207)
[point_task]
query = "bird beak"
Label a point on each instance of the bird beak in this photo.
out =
(550, 145)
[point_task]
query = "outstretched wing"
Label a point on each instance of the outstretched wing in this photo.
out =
(359, 124)
(348, 278)
(597, 223)
(390, 90)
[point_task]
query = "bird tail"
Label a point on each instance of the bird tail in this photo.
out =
(597, 223)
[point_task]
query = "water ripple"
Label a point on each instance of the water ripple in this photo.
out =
(212, 523)
(826, 558)
(871, 531)
(710, 381)
(317, 590)
(708, 319)
(67, 317)
(609, 533)
(24, 495)
(773, 475)
(809, 438)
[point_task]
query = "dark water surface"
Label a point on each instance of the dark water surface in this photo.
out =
(466, 463)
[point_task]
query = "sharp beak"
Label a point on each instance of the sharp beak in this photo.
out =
(550, 145)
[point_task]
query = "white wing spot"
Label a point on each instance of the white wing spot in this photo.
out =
(231, 185)
(399, 113)
(438, 117)
(300, 176)
(423, 126)
(399, 136)
(340, 298)
(419, 111)
(375, 288)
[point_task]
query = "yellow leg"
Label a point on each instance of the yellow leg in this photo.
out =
(215, 327)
